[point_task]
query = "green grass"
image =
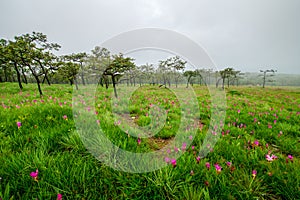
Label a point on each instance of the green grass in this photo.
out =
(48, 142)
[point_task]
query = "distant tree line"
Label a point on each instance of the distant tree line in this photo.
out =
(32, 58)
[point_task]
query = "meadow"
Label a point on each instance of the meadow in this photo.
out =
(42, 155)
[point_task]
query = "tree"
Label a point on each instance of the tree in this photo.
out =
(172, 64)
(117, 67)
(68, 71)
(97, 62)
(32, 52)
(265, 75)
(79, 58)
(189, 74)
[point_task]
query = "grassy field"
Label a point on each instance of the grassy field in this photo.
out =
(256, 157)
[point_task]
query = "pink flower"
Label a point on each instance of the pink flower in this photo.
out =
(275, 121)
(190, 137)
(139, 141)
(173, 162)
(269, 126)
(193, 147)
(256, 143)
(183, 146)
(267, 145)
(228, 164)
(65, 117)
(254, 172)
(59, 196)
(207, 165)
(218, 168)
(35, 174)
(271, 158)
(238, 111)
(289, 158)
(19, 124)
(198, 159)
(167, 160)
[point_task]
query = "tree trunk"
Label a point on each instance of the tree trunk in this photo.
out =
(76, 84)
(18, 76)
(24, 76)
(114, 85)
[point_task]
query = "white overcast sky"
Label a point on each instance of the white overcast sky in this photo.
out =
(248, 35)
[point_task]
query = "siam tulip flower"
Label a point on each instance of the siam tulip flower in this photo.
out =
(19, 124)
(256, 143)
(206, 183)
(218, 168)
(271, 158)
(254, 173)
(176, 149)
(228, 164)
(269, 126)
(59, 197)
(35, 174)
(65, 117)
(167, 159)
(183, 146)
(289, 158)
(173, 162)
(207, 165)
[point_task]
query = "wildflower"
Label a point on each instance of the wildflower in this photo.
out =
(254, 172)
(256, 143)
(206, 183)
(238, 111)
(173, 162)
(289, 158)
(65, 117)
(267, 145)
(192, 173)
(98, 121)
(218, 168)
(255, 120)
(275, 121)
(35, 174)
(207, 165)
(19, 124)
(190, 137)
(228, 164)
(193, 147)
(183, 146)
(59, 197)
(269, 126)
(139, 141)
(271, 158)
(167, 160)
(198, 159)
